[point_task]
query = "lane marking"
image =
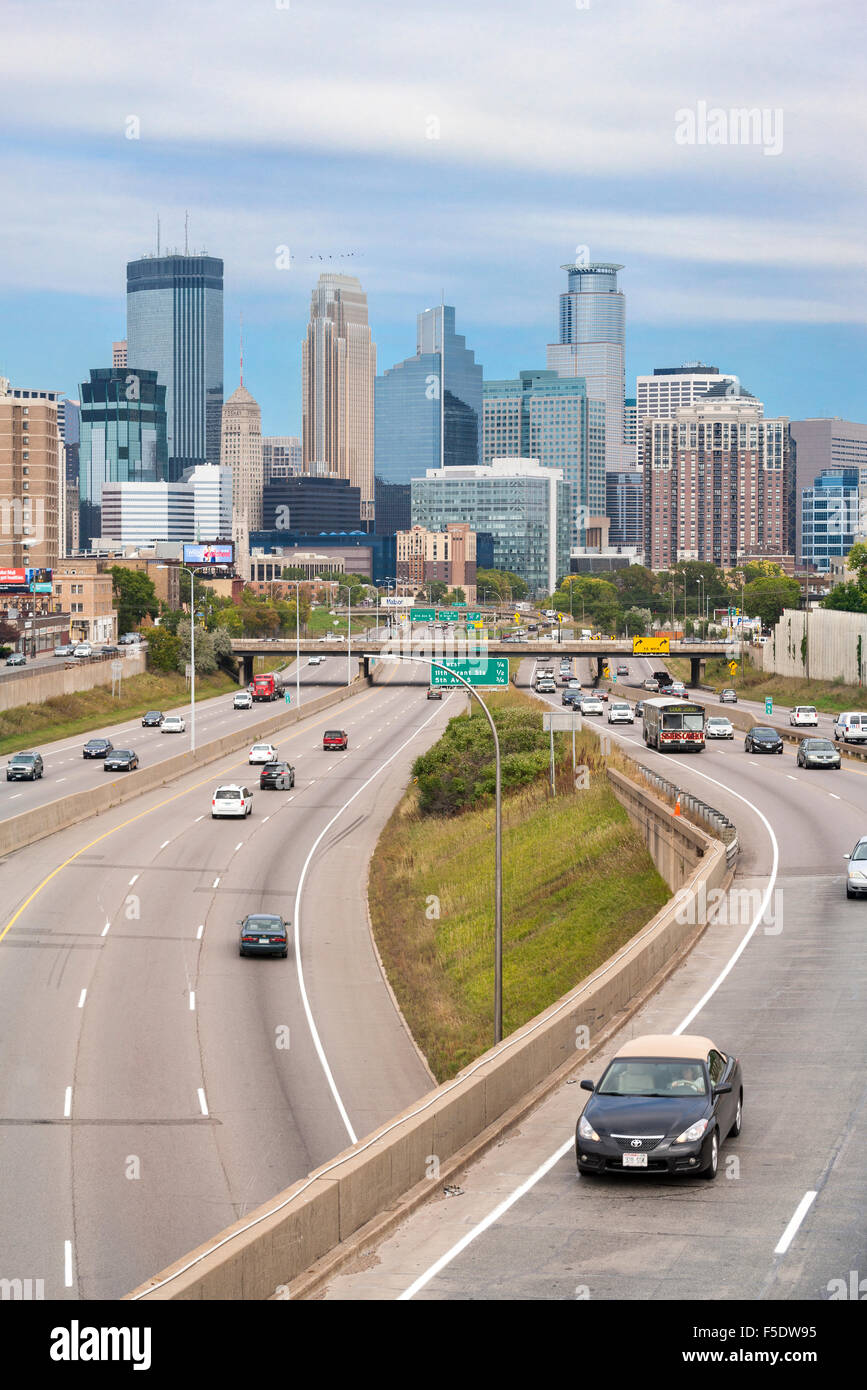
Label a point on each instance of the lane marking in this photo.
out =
(238, 846)
(164, 843)
(132, 880)
(104, 931)
(216, 881)
(67, 1103)
(67, 1264)
(834, 796)
(202, 1102)
(200, 930)
(788, 1235)
(192, 999)
(81, 998)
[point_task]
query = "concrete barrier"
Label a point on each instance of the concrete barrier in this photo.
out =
(35, 689)
(367, 1189)
(24, 829)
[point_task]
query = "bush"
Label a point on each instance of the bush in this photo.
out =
(460, 770)
(163, 649)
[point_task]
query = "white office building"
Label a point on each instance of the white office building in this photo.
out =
(666, 390)
(212, 492)
(142, 513)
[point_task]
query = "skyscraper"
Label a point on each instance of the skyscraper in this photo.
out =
(827, 443)
(174, 307)
(338, 368)
(32, 495)
(659, 395)
(442, 383)
(242, 452)
(123, 437)
(591, 326)
(542, 415)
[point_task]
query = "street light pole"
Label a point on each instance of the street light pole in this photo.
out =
(192, 659)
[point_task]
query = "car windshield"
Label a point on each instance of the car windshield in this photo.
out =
(818, 745)
(122, 753)
(95, 743)
(263, 924)
(653, 1077)
(228, 794)
(860, 850)
(766, 735)
(806, 709)
(719, 723)
(274, 767)
(24, 758)
(153, 714)
(337, 733)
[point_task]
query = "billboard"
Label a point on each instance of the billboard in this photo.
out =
(25, 581)
(210, 554)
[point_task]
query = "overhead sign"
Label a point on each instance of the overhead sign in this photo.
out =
(449, 615)
(647, 646)
(422, 615)
(397, 601)
(207, 554)
(478, 671)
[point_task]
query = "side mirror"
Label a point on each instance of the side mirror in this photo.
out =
(847, 856)
(587, 1086)
(722, 1090)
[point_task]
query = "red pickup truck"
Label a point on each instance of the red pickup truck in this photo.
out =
(334, 738)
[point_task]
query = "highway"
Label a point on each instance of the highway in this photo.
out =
(67, 770)
(791, 1006)
(154, 1086)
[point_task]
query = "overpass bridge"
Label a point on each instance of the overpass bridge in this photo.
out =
(363, 650)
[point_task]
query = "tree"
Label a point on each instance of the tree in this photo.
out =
(636, 585)
(9, 633)
(846, 598)
(135, 597)
(206, 661)
(456, 597)
(164, 649)
(637, 621)
(507, 586)
(767, 597)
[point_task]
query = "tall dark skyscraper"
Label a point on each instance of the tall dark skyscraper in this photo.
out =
(123, 437)
(409, 407)
(174, 307)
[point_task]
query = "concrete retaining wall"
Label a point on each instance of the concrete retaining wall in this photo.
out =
(62, 680)
(22, 830)
(835, 647)
(278, 1242)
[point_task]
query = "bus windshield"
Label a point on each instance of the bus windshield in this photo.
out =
(682, 721)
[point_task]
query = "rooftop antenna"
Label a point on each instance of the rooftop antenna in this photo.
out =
(186, 233)
(442, 379)
(241, 339)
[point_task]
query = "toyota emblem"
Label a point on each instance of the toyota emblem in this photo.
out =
(636, 1143)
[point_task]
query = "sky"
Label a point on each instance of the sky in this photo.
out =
(468, 150)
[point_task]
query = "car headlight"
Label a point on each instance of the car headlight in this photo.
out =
(586, 1130)
(856, 873)
(694, 1132)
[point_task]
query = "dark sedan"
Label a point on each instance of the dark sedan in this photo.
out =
(97, 748)
(121, 760)
(277, 776)
(153, 719)
(665, 1104)
(263, 934)
(762, 740)
(571, 697)
(818, 752)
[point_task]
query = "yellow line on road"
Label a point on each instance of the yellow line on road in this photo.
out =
(168, 801)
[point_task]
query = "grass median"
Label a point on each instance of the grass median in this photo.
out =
(577, 884)
(78, 713)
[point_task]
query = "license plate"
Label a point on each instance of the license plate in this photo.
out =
(635, 1160)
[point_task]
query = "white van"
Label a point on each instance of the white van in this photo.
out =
(231, 800)
(851, 726)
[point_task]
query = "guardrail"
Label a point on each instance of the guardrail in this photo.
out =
(695, 810)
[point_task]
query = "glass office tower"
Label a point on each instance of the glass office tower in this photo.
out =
(410, 409)
(829, 516)
(174, 307)
(123, 438)
(591, 326)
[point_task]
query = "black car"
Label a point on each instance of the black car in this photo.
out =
(263, 934)
(278, 776)
(665, 1104)
(121, 760)
(97, 748)
(572, 697)
(152, 719)
(109, 651)
(762, 740)
(818, 752)
(24, 767)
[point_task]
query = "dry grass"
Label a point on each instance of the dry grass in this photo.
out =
(753, 684)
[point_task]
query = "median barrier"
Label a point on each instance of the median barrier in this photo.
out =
(291, 1245)
(29, 826)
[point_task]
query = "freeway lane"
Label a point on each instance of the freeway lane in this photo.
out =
(190, 1081)
(66, 770)
(792, 1007)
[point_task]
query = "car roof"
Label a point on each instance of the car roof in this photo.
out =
(691, 1045)
(230, 787)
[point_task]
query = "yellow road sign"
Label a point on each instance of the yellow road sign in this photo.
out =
(733, 667)
(645, 646)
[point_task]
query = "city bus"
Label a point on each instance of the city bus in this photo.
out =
(674, 724)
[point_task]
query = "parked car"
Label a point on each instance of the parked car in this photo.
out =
(665, 1104)
(82, 651)
(153, 719)
(263, 934)
(334, 738)
(762, 740)
(243, 700)
(109, 651)
(804, 714)
(728, 696)
(232, 799)
(277, 776)
(851, 727)
(16, 659)
(173, 724)
(121, 760)
(819, 752)
(97, 748)
(24, 767)
(65, 649)
(263, 753)
(719, 727)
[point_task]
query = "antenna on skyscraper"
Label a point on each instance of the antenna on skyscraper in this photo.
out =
(186, 233)
(442, 379)
(241, 339)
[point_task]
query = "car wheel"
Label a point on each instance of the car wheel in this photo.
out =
(240, 951)
(285, 953)
(849, 893)
(710, 1172)
(739, 1118)
(779, 750)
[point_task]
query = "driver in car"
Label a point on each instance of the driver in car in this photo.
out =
(691, 1080)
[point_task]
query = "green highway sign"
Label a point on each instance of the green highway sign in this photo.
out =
(448, 615)
(479, 671)
(422, 615)
(472, 617)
